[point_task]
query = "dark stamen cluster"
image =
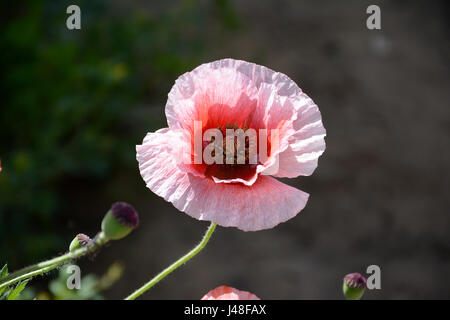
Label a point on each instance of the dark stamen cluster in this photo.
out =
(238, 151)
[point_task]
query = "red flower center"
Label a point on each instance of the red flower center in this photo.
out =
(239, 155)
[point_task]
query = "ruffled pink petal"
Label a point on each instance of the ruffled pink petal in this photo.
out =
(263, 205)
(285, 106)
(229, 293)
(213, 96)
(306, 145)
(226, 90)
(274, 113)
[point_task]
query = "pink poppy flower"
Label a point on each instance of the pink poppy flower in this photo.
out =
(234, 94)
(229, 293)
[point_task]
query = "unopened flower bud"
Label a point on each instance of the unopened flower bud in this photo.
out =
(81, 240)
(354, 286)
(119, 221)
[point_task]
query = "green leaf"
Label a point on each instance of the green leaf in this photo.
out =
(18, 289)
(4, 296)
(4, 271)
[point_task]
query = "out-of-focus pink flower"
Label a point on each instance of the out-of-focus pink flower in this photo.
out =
(229, 293)
(234, 94)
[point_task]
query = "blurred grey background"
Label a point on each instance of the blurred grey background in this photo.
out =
(379, 196)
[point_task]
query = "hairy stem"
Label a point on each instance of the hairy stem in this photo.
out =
(174, 265)
(48, 265)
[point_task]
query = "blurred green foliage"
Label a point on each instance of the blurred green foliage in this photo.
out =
(67, 97)
(12, 292)
(91, 286)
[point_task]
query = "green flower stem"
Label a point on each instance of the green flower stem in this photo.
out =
(175, 265)
(28, 275)
(46, 266)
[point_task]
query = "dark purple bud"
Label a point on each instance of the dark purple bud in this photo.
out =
(354, 286)
(125, 214)
(119, 221)
(355, 281)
